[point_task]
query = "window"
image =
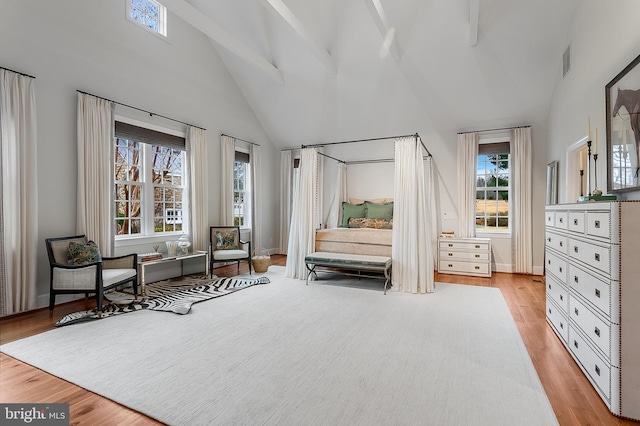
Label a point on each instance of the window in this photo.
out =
(492, 188)
(149, 14)
(242, 190)
(150, 182)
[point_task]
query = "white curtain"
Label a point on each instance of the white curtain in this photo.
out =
(96, 207)
(467, 164)
(303, 216)
(198, 188)
(227, 158)
(432, 208)
(255, 159)
(339, 195)
(286, 175)
(411, 251)
(521, 239)
(18, 193)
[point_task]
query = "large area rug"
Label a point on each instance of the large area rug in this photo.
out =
(175, 295)
(330, 353)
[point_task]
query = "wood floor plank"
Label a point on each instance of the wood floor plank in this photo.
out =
(574, 401)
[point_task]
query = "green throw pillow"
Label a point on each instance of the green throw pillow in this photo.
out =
(82, 254)
(379, 210)
(227, 240)
(352, 210)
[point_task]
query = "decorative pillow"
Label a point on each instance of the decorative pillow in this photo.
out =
(352, 210)
(363, 222)
(82, 254)
(379, 211)
(360, 201)
(227, 240)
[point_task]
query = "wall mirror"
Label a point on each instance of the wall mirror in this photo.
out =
(552, 183)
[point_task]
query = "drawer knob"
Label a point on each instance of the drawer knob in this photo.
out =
(560, 243)
(549, 286)
(575, 278)
(597, 257)
(597, 331)
(450, 254)
(562, 325)
(549, 239)
(561, 297)
(450, 266)
(576, 311)
(597, 370)
(575, 343)
(477, 246)
(477, 267)
(597, 293)
(549, 261)
(597, 224)
(450, 245)
(560, 220)
(549, 311)
(575, 249)
(560, 268)
(477, 255)
(575, 221)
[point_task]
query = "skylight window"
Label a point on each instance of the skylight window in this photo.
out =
(149, 14)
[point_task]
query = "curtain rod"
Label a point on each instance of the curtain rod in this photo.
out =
(229, 136)
(383, 160)
(151, 114)
(17, 72)
(494, 130)
(328, 156)
(358, 140)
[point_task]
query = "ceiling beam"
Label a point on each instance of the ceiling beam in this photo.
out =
(207, 26)
(390, 44)
(474, 15)
(316, 47)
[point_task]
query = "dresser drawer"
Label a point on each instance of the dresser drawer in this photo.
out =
(463, 267)
(561, 220)
(591, 288)
(550, 219)
(556, 266)
(591, 254)
(599, 371)
(558, 293)
(597, 330)
(467, 255)
(463, 245)
(599, 224)
(557, 242)
(576, 222)
(558, 320)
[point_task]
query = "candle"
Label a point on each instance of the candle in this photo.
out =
(589, 128)
(595, 148)
(581, 161)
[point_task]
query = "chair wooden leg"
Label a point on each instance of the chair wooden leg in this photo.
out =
(52, 302)
(249, 262)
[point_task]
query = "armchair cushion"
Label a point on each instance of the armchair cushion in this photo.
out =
(82, 254)
(227, 240)
(230, 254)
(112, 276)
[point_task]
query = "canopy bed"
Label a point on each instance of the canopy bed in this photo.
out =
(362, 234)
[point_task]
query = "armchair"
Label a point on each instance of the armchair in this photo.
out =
(95, 276)
(225, 245)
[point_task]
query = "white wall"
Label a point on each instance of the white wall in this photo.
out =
(604, 38)
(71, 45)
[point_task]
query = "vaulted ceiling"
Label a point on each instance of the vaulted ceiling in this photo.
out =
(320, 71)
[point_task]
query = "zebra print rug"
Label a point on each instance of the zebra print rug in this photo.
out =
(176, 295)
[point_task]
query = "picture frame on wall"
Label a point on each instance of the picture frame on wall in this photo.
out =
(622, 101)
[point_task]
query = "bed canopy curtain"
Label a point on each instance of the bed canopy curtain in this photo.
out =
(522, 232)
(95, 208)
(228, 156)
(412, 250)
(286, 176)
(339, 195)
(18, 193)
(255, 161)
(467, 165)
(196, 145)
(303, 215)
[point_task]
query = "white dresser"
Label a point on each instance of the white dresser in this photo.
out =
(465, 256)
(592, 262)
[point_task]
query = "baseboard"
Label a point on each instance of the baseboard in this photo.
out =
(502, 267)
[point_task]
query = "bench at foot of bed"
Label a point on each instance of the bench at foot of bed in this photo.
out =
(353, 262)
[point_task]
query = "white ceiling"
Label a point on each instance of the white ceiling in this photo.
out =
(317, 71)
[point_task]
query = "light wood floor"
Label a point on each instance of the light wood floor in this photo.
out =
(573, 399)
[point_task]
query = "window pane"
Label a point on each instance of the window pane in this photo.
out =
(480, 223)
(480, 182)
(135, 226)
(491, 167)
(503, 180)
